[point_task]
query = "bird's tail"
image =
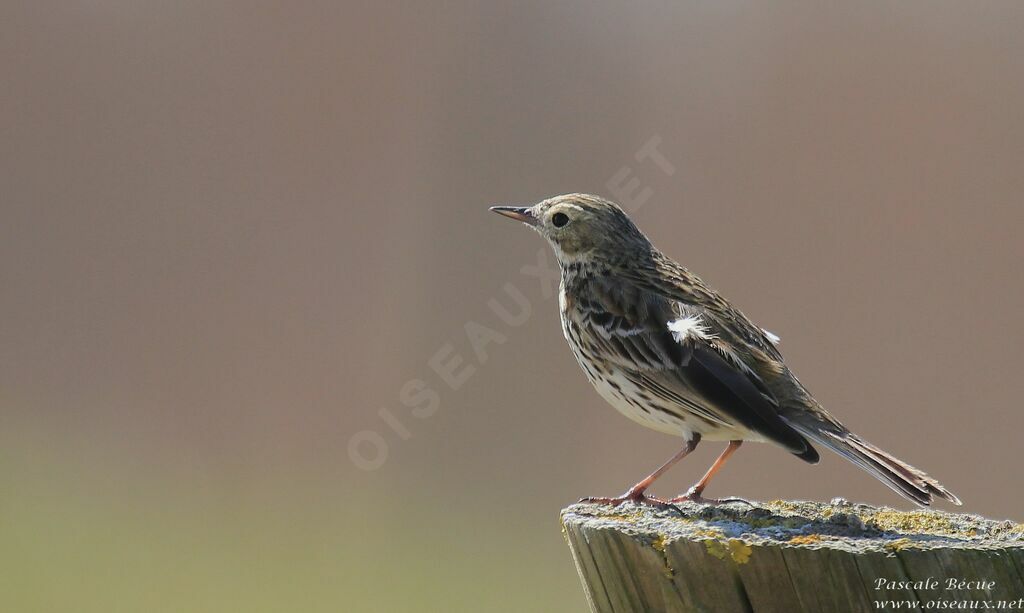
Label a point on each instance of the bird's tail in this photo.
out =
(903, 478)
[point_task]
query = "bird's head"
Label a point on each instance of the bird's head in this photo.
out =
(581, 227)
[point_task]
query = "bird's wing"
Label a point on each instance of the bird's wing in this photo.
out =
(666, 278)
(683, 355)
(627, 326)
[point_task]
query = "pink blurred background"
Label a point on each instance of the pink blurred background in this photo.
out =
(232, 232)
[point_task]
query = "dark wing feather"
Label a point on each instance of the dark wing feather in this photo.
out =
(666, 386)
(628, 326)
(735, 392)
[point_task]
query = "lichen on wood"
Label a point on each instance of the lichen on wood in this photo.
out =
(787, 556)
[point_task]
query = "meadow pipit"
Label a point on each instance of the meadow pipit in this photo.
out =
(670, 353)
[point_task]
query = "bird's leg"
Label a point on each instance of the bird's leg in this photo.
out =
(694, 493)
(637, 492)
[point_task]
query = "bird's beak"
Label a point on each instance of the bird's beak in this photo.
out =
(519, 213)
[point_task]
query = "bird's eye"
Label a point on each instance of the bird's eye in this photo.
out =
(559, 219)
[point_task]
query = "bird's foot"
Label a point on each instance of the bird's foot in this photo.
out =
(693, 495)
(636, 497)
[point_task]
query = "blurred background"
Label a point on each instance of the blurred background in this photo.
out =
(241, 242)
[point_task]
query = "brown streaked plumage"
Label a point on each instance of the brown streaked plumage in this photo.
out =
(669, 352)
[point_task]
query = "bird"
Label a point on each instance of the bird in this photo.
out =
(669, 352)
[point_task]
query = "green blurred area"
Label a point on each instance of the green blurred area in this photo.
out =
(81, 535)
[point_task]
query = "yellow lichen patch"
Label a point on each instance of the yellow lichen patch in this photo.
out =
(708, 532)
(797, 508)
(921, 522)
(735, 549)
(770, 522)
(658, 544)
(806, 539)
(716, 548)
(739, 551)
(624, 517)
(899, 544)
(782, 505)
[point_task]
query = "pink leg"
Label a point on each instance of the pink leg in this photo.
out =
(636, 493)
(694, 493)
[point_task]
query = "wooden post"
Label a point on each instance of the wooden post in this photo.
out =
(793, 556)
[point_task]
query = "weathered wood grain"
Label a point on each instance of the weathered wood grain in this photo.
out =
(792, 556)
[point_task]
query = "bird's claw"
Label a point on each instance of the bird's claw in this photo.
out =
(694, 496)
(634, 497)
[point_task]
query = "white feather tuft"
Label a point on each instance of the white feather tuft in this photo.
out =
(688, 328)
(774, 338)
